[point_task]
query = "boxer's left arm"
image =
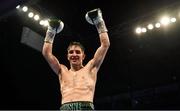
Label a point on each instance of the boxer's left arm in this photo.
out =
(94, 17)
(101, 51)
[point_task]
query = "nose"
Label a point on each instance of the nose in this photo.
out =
(74, 53)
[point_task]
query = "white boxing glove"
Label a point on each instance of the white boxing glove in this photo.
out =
(55, 26)
(94, 17)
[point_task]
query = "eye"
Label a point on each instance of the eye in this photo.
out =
(71, 52)
(78, 52)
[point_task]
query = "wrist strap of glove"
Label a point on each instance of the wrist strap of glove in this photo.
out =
(101, 27)
(50, 35)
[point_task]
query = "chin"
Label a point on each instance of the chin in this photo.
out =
(74, 63)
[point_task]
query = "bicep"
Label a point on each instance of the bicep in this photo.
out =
(99, 56)
(50, 58)
(54, 64)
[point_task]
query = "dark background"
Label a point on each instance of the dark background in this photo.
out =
(139, 72)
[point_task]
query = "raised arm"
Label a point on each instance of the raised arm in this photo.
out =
(53, 28)
(101, 51)
(94, 17)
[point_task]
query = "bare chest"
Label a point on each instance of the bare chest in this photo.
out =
(78, 79)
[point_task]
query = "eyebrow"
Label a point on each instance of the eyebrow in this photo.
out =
(74, 50)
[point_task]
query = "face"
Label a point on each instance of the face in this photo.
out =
(75, 55)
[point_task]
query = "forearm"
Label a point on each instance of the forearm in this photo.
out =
(55, 26)
(50, 58)
(94, 17)
(48, 42)
(104, 39)
(103, 35)
(47, 49)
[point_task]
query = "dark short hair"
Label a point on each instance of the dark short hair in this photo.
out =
(76, 43)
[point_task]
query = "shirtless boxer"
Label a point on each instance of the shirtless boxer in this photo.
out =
(77, 84)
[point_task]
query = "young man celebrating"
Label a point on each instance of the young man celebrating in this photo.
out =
(77, 84)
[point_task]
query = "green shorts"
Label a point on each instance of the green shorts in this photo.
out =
(77, 105)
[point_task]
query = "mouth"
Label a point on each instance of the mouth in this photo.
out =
(74, 58)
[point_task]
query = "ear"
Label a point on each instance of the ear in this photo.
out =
(84, 55)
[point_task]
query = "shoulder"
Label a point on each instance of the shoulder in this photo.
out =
(62, 68)
(90, 63)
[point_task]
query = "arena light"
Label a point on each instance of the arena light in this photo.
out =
(143, 30)
(138, 30)
(18, 6)
(173, 20)
(150, 26)
(25, 9)
(44, 23)
(165, 21)
(157, 25)
(41, 22)
(36, 17)
(31, 14)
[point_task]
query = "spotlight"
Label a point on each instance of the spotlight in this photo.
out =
(44, 23)
(36, 17)
(165, 21)
(150, 26)
(138, 30)
(144, 30)
(17, 7)
(157, 25)
(31, 14)
(173, 20)
(25, 8)
(41, 22)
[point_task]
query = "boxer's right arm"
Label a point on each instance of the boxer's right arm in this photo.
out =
(48, 45)
(50, 58)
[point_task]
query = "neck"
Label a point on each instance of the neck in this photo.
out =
(76, 67)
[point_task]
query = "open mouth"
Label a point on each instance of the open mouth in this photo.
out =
(74, 58)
